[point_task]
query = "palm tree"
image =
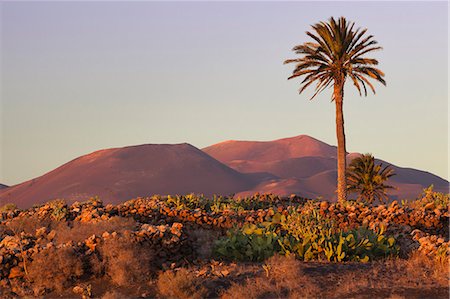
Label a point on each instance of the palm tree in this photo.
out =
(335, 54)
(367, 179)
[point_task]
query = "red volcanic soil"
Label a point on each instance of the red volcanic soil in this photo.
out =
(266, 151)
(119, 174)
(322, 184)
(303, 167)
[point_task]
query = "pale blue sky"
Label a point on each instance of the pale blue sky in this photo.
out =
(83, 76)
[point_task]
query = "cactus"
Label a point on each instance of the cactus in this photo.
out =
(309, 236)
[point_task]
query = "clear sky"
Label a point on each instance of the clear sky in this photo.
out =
(81, 76)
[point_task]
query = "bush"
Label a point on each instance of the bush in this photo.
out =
(81, 231)
(250, 243)
(430, 199)
(313, 237)
(8, 207)
(308, 236)
(181, 284)
(113, 294)
(221, 203)
(127, 262)
(284, 277)
(58, 208)
(55, 269)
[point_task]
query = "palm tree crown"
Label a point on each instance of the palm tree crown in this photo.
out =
(337, 52)
(368, 179)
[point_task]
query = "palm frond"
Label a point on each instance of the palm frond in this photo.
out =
(368, 179)
(336, 52)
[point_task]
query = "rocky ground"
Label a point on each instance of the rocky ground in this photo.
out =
(163, 247)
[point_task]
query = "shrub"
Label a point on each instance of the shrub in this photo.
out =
(284, 277)
(221, 203)
(59, 209)
(55, 269)
(81, 231)
(308, 236)
(250, 243)
(114, 294)
(311, 236)
(125, 261)
(8, 207)
(181, 284)
(29, 224)
(430, 199)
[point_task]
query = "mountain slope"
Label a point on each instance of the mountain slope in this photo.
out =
(302, 167)
(266, 151)
(123, 173)
(307, 166)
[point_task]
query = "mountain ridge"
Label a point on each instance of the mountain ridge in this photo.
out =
(297, 167)
(302, 165)
(122, 173)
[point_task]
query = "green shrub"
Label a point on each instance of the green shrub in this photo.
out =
(308, 236)
(250, 243)
(59, 209)
(8, 207)
(222, 203)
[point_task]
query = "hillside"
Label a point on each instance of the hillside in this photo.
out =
(119, 174)
(267, 151)
(307, 167)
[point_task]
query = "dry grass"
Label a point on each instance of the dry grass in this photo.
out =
(127, 262)
(29, 224)
(416, 277)
(283, 278)
(113, 295)
(181, 284)
(55, 269)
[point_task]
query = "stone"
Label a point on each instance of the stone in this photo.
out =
(78, 290)
(10, 242)
(41, 232)
(51, 235)
(324, 205)
(429, 206)
(16, 272)
(225, 272)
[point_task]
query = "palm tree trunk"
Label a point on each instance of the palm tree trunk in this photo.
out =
(341, 151)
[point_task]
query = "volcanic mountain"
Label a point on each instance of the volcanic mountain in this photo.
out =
(120, 174)
(307, 166)
(301, 165)
(232, 152)
(3, 186)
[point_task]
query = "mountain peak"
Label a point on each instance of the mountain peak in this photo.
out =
(264, 151)
(118, 174)
(298, 137)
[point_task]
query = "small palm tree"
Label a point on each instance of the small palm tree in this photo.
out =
(336, 54)
(368, 179)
